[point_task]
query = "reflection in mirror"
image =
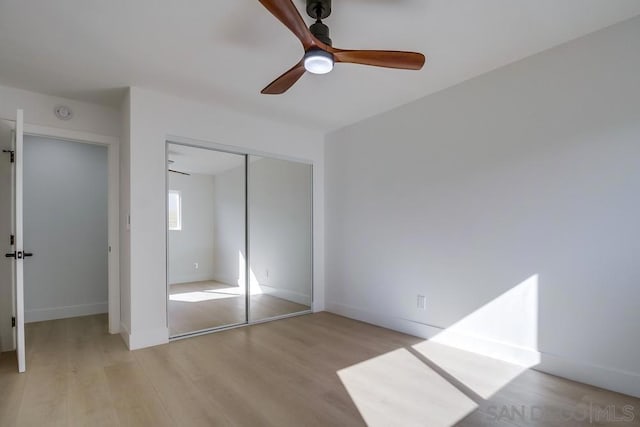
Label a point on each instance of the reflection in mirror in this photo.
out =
(280, 237)
(206, 239)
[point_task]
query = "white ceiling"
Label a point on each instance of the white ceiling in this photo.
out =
(201, 161)
(227, 51)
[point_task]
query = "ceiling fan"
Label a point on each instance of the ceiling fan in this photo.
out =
(320, 56)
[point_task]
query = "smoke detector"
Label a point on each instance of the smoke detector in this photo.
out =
(63, 112)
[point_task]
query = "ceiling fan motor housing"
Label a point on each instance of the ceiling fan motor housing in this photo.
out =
(321, 32)
(319, 9)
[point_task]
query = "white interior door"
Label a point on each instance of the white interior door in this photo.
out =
(7, 241)
(19, 253)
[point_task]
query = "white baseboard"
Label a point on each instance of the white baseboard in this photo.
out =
(124, 333)
(597, 375)
(195, 279)
(231, 281)
(41, 314)
(600, 376)
(289, 295)
(147, 338)
(317, 306)
(191, 279)
(397, 324)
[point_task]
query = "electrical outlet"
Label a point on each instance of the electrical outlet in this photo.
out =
(422, 302)
(195, 265)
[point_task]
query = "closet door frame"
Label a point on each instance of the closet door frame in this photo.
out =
(246, 153)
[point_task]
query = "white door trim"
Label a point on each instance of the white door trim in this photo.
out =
(19, 244)
(112, 144)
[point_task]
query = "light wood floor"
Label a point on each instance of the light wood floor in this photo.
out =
(300, 371)
(203, 305)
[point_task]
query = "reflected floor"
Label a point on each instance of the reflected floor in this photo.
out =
(202, 305)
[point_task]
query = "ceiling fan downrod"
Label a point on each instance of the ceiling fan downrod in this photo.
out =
(319, 10)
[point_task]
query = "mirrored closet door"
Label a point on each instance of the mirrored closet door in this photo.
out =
(206, 239)
(280, 237)
(239, 239)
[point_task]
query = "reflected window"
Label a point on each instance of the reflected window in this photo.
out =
(175, 211)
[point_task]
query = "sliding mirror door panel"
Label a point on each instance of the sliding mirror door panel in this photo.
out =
(280, 237)
(206, 239)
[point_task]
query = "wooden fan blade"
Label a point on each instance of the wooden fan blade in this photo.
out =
(380, 58)
(285, 81)
(287, 13)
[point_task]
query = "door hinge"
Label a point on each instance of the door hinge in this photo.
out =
(12, 155)
(12, 240)
(13, 322)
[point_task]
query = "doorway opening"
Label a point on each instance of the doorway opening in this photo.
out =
(65, 197)
(59, 192)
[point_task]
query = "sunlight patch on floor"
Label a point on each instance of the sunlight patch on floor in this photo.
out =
(438, 382)
(397, 388)
(483, 375)
(206, 295)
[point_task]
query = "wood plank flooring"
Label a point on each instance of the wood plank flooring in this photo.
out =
(318, 369)
(203, 305)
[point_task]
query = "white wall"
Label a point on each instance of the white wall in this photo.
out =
(157, 117)
(65, 226)
(532, 169)
(229, 225)
(195, 241)
(38, 109)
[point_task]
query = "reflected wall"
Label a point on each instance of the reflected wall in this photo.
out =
(280, 237)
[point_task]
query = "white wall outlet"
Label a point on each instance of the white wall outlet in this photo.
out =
(195, 265)
(422, 302)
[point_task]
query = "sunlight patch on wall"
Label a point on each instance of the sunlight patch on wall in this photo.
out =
(397, 388)
(505, 328)
(254, 286)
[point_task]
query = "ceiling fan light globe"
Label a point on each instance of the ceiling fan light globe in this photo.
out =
(318, 61)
